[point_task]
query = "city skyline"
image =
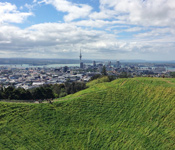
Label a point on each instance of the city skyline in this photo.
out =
(102, 29)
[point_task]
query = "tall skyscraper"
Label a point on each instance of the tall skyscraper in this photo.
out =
(65, 68)
(81, 63)
(80, 56)
(109, 64)
(94, 64)
(118, 64)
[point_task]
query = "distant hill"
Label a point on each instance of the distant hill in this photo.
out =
(137, 113)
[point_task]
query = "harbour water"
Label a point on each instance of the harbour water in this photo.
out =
(39, 66)
(59, 65)
(167, 68)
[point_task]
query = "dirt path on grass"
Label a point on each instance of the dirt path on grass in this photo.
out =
(123, 83)
(168, 81)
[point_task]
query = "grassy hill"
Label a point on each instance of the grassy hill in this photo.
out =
(136, 113)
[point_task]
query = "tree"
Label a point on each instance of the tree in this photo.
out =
(48, 93)
(68, 88)
(103, 72)
(56, 88)
(1, 93)
(8, 92)
(123, 75)
(62, 93)
(111, 78)
(95, 77)
(38, 93)
(172, 74)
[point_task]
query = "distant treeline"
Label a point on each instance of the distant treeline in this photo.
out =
(42, 92)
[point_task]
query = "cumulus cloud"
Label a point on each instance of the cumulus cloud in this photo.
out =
(147, 13)
(134, 29)
(95, 23)
(75, 11)
(10, 14)
(148, 24)
(59, 40)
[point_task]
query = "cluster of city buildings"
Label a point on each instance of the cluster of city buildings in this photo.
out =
(36, 76)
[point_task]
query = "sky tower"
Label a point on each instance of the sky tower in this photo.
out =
(81, 63)
(80, 56)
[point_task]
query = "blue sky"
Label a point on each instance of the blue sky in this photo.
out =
(102, 29)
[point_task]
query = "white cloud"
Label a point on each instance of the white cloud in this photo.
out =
(103, 14)
(143, 19)
(61, 40)
(10, 14)
(147, 13)
(75, 11)
(94, 23)
(29, 6)
(134, 29)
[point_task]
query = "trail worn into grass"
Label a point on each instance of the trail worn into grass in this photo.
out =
(123, 82)
(167, 81)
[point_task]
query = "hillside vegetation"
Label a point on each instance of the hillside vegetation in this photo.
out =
(136, 113)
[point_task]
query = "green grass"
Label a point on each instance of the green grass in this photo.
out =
(99, 80)
(136, 113)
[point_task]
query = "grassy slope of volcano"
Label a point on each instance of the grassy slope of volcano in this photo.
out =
(136, 113)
